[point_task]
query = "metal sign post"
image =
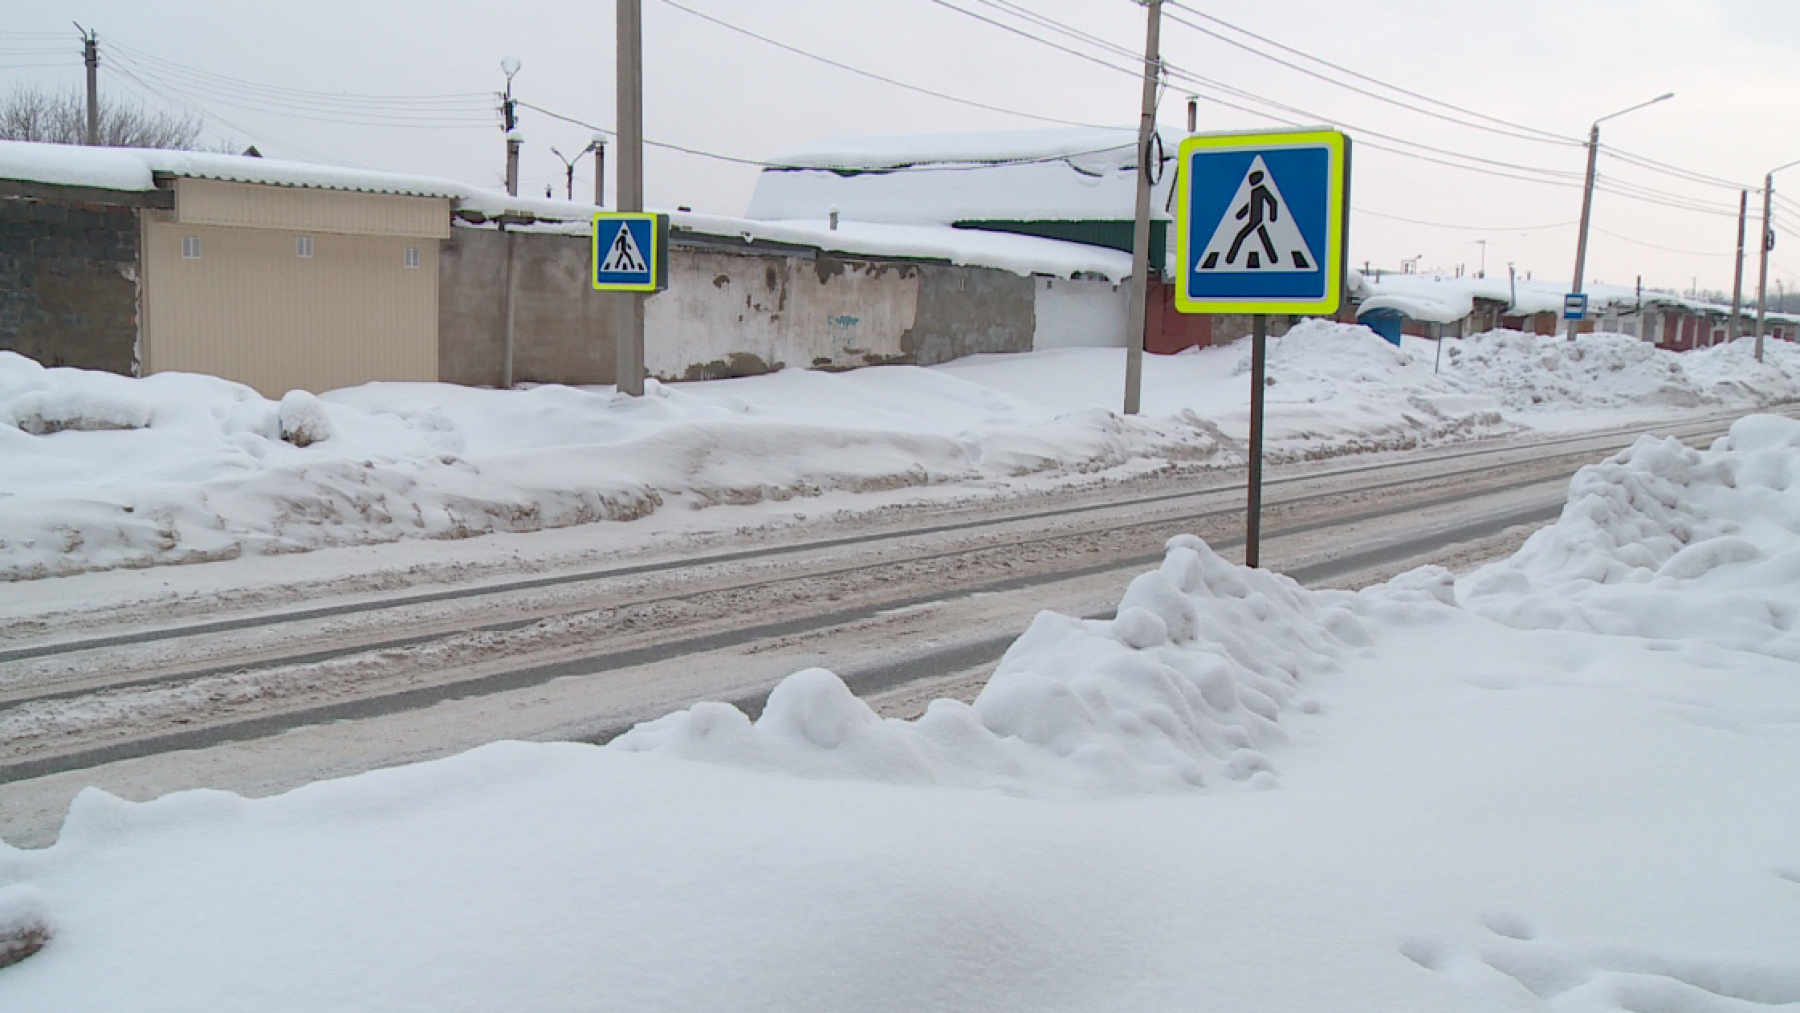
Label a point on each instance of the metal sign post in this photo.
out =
(1261, 225)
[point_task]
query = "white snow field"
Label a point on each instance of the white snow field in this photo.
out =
(1564, 782)
(99, 471)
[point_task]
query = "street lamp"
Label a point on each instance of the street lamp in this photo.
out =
(1587, 194)
(1768, 240)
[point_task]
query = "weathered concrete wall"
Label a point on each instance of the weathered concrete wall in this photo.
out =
(731, 313)
(1073, 313)
(967, 310)
(68, 283)
(727, 312)
(562, 328)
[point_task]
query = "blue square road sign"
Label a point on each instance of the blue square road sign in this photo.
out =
(1261, 222)
(627, 251)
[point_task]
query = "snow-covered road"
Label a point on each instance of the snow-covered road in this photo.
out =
(98, 692)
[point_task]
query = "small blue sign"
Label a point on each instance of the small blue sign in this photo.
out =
(1575, 306)
(1260, 222)
(625, 254)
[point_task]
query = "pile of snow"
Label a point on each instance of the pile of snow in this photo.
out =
(1186, 687)
(1470, 815)
(104, 471)
(1670, 542)
(1533, 371)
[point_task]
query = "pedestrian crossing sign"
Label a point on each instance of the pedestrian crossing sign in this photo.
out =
(1261, 222)
(628, 251)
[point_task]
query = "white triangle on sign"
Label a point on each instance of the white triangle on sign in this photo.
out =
(623, 256)
(1257, 232)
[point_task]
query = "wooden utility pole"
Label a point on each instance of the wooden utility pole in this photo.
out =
(629, 345)
(1140, 235)
(1762, 276)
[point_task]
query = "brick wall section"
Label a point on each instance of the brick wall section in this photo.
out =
(68, 283)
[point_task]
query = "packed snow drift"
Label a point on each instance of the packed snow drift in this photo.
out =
(103, 471)
(1565, 784)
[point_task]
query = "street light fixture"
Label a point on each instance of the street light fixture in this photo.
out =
(1768, 240)
(1587, 194)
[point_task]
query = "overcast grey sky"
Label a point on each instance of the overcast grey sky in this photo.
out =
(1550, 65)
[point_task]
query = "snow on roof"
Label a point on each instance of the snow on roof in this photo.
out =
(1084, 174)
(1436, 298)
(962, 247)
(887, 151)
(136, 169)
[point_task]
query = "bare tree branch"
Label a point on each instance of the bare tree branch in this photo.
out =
(33, 114)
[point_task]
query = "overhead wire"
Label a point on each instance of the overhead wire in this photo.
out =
(1466, 228)
(260, 136)
(870, 74)
(924, 166)
(293, 110)
(1665, 249)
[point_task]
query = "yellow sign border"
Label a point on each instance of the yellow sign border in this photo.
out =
(594, 247)
(1337, 207)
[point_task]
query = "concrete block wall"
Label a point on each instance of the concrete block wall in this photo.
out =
(69, 283)
(727, 312)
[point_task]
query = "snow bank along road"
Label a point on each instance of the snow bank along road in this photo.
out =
(284, 693)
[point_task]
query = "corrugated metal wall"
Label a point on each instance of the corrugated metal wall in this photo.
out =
(247, 205)
(249, 308)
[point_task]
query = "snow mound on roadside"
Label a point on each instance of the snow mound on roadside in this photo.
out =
(1665, 541)
(1730, 370)
(1546, 371)
(1187, 686)
(43, 401)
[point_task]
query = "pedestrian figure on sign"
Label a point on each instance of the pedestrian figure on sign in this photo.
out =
(1254, 211)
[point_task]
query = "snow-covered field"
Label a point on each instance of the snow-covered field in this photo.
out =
(101, 471)
(1563, 782)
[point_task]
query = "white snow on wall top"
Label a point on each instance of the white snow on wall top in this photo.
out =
(889, 150)
(135, 169)
(1085, 174)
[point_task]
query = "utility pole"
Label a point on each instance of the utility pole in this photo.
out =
(509, 121)
(1587, 195)
(598, 147)
(568, 172)
(1483, 272)
(1737, 277)
(628, 345)
(1587, 207)
(90, 55)
(1762, 275)
(1140, 234)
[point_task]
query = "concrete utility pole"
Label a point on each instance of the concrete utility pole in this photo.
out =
(1140, 234)
(1737, 277)
(90, 54)
(629, 344)
(1587, 195)
(509, 121)
(598, 147)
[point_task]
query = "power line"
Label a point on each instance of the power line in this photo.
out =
(293, 110)
(456, 100)
(1540, 137)
(1657, 246)
(1467, 228)
(1543, 134)
(181, 104)
(939, 166)
(870, 74)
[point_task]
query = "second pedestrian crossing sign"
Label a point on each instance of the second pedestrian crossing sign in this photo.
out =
(629, 251)
(1261, 222)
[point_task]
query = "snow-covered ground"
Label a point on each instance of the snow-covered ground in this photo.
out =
(102, 471)
(1563, 782)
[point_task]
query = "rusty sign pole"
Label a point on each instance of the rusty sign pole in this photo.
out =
(1259, 370)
